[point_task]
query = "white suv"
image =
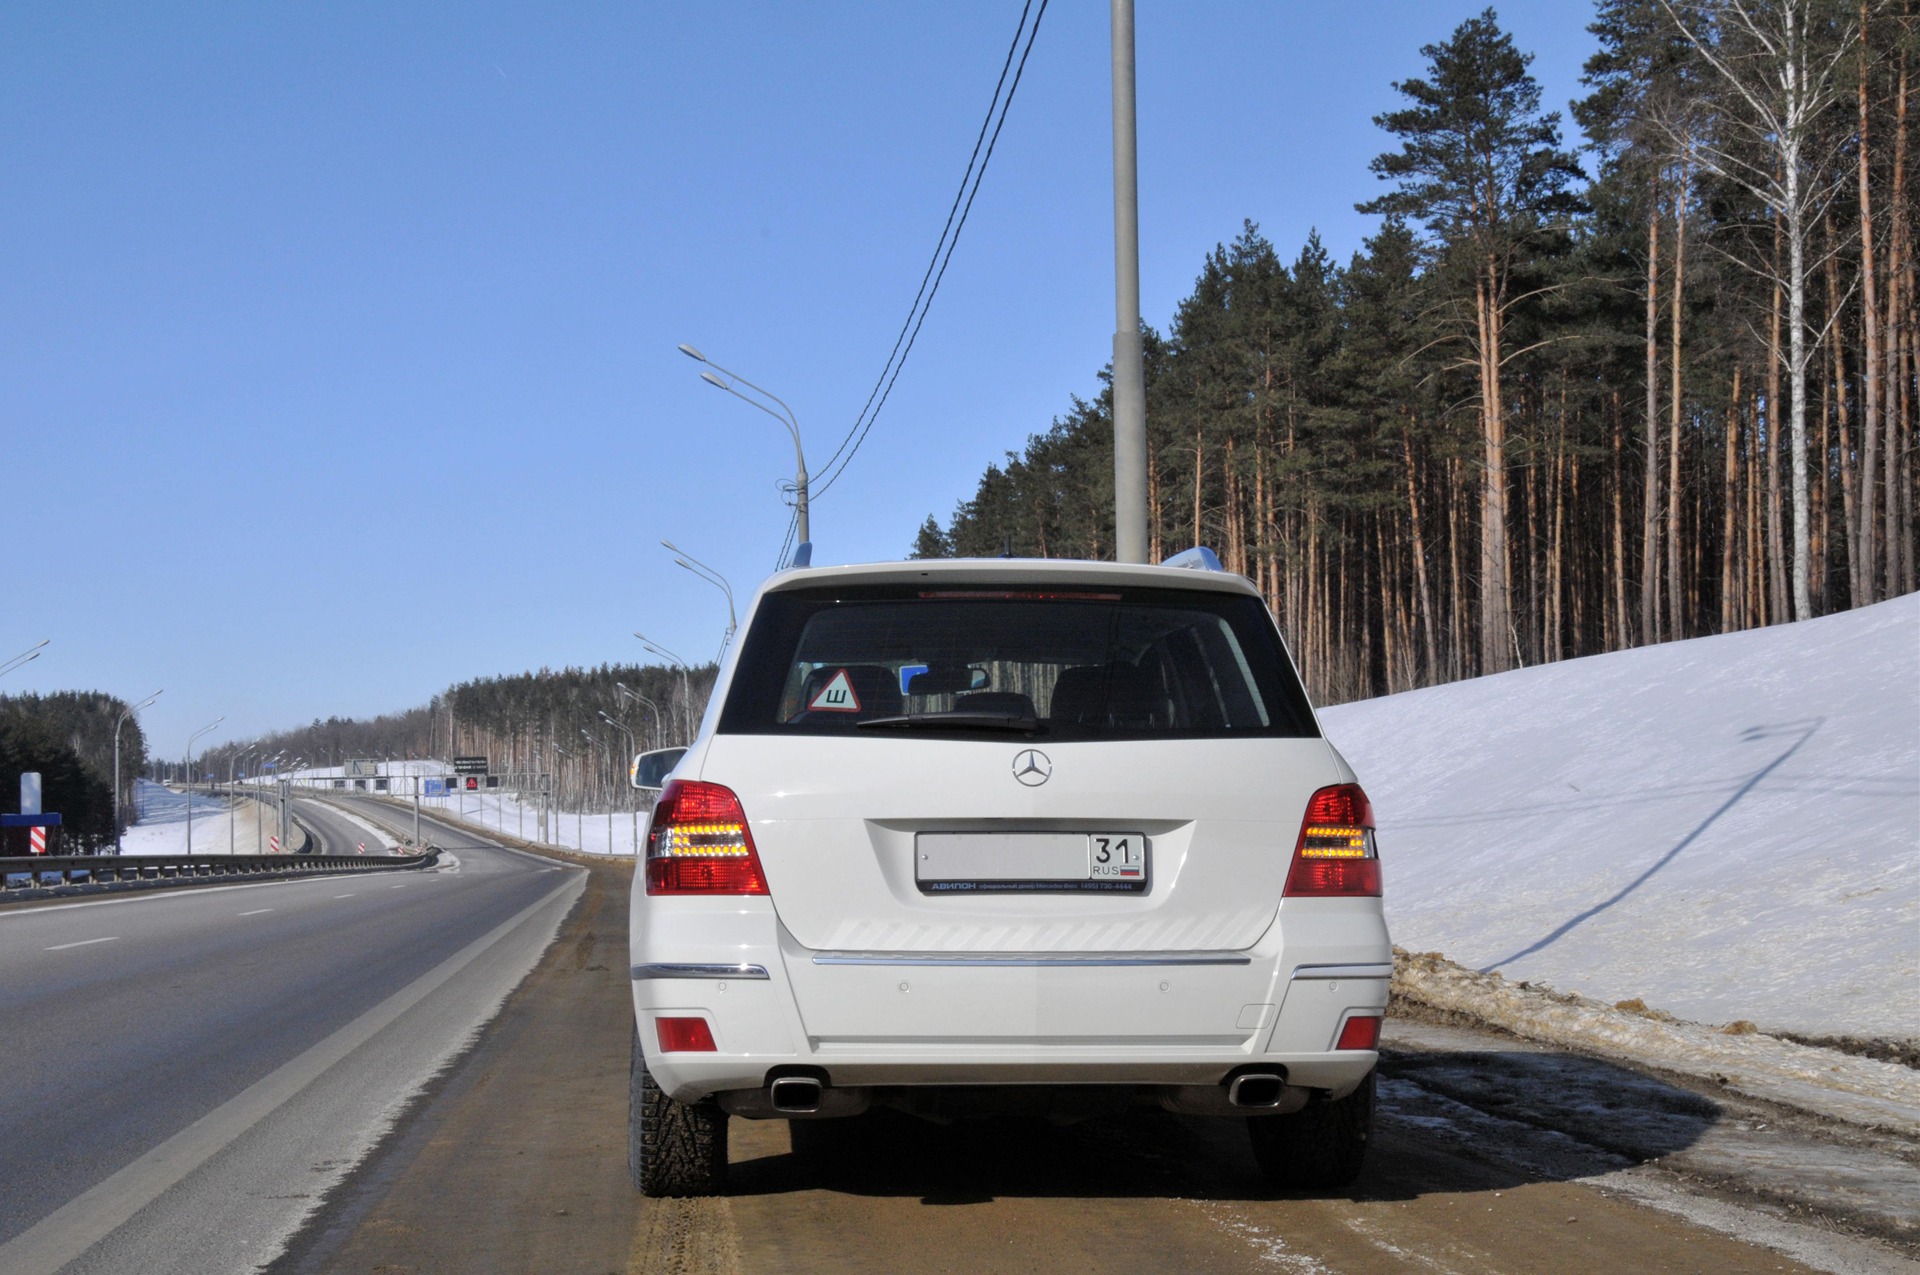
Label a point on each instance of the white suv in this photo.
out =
(971, 836)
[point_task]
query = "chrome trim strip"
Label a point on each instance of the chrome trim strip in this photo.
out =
(1343, 971)
(1029, 960)
(700, 971)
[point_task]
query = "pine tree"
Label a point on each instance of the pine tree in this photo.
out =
(1480, 165)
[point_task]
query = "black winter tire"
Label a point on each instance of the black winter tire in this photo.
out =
(673, 1148)
(1318, 1148)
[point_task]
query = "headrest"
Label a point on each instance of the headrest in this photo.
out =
(1115, 694)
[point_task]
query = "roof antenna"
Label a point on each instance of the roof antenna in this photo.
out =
(1006, 548)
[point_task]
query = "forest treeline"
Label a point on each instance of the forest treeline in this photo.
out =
(545, 722)
(1567, 399)
(67, 736)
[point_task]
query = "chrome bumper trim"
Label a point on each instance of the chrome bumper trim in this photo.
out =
(1029, 960)
(1343, 971)
(700, 971)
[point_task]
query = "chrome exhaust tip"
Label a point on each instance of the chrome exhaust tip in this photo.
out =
(1256, 1089)
(797, 1095)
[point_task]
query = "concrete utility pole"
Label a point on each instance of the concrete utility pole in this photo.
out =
(1129, 370)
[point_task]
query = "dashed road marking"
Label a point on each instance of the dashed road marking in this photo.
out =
(256, 912)
(61, 947)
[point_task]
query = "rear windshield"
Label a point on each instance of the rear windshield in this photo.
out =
(1066, 664)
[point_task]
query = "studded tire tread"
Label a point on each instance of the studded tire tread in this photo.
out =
(673, 1148)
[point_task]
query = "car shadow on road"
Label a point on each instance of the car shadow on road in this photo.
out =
(1447, 1122)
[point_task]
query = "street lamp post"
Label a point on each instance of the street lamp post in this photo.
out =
(621, 726)
(803, 553)
(599, 747)
(233, 800)
(712, 577)
(197, 734)
(579, 816)
(286, 800)
(259, 814)
(118, 723)
(638, 698)
(686, 693)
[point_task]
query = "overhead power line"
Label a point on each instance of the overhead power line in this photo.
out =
(996, 118)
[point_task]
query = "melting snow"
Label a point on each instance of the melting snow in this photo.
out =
(1727, 827)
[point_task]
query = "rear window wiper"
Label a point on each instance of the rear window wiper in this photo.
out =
(1022, 722)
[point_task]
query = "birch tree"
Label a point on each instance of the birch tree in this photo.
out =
(1778, 62)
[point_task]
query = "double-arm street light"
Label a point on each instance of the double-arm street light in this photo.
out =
(633, 750)
(233, 799)
(684, 559)
(259, 812)
(27, 656)
(659, 729)
(118, 723)
(598, 747)
(210, 726)
(802, 553)
(686, 693)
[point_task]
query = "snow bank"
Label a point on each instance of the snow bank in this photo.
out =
(160, 826)
(1727, 828)
(1861, 1091)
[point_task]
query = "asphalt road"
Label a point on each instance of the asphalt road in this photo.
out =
(188, 1071)
(1491, 1155)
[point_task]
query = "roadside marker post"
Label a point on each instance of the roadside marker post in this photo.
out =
(35, 821)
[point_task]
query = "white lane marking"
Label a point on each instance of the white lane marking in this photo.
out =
(256, 912)
(401, 886)
(90, 1217)
(61, 947)
(343, 896)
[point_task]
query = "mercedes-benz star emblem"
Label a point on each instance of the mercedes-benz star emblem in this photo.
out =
(1032, 767)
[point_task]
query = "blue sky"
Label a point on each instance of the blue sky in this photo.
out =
(337, 358)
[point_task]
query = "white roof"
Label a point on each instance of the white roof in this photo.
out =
(1021, 571)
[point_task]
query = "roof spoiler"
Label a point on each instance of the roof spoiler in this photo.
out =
(1198, 558)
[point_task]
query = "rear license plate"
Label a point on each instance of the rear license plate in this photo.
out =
(1031, 862)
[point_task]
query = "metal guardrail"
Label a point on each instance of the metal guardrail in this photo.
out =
(35, 873)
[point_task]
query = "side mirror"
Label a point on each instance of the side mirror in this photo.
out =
(649, 770)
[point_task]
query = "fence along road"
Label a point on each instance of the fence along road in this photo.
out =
(188, 1071)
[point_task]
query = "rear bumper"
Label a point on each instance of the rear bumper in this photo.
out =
(880, 1019)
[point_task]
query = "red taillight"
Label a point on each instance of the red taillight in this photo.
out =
(698, 843)
(1359, 1033)
(1335, 854)
(685, 1036)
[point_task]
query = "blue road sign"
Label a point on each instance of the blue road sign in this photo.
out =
(29, 821)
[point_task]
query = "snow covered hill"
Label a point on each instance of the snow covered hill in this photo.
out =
(1728, 827)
